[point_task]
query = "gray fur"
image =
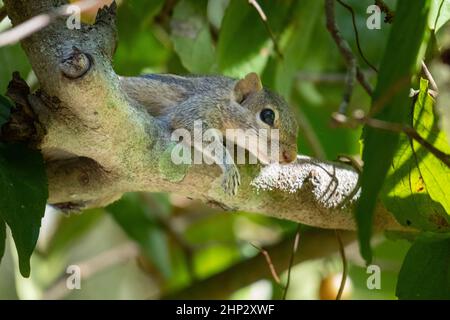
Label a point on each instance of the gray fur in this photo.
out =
(180, 101)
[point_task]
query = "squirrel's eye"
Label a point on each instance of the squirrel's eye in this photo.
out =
(268, 116)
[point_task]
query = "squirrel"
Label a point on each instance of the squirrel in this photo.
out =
(221, 103)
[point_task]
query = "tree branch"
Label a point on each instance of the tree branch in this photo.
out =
(359, 117)
(355, 29)
(353, 70)
(99, 144)
(314, 245)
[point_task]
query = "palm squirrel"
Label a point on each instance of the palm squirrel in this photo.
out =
(221, 103)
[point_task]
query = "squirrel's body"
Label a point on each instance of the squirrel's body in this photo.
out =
(221, 103)
(182, 100)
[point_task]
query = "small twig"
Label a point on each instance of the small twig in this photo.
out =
(364, 82)
(344, 266)
(291, 260)
(40, 21)
(360, 118)
(346, 53)
(263, 16)
(353, 71)
(358, 166)
(438, 15)
(258, 8)
(395, 88)
(316, 244)
(353, 161)
(355, 28)
(412, 134)
(269, 263)
(429, 76)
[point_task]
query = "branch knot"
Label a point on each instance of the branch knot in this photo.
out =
(76, 64)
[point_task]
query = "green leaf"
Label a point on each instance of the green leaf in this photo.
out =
(390, 103)
(2, 238)
(191, 37)
(439, 14)
(24, 194)
(417, 189)
(425, 273)
(244, 42)
(5, 108)
(137, 221)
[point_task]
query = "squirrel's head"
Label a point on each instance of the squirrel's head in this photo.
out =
(269, 111)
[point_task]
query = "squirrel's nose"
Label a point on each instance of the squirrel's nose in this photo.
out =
(289, 156)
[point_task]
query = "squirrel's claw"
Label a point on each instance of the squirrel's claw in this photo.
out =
(231, 181)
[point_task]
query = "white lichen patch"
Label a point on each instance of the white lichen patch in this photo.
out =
(332, 186)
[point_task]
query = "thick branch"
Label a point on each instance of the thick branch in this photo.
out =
(99, 144)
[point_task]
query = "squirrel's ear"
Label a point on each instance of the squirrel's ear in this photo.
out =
(244, 87)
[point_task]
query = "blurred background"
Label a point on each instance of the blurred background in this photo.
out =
(152, 246)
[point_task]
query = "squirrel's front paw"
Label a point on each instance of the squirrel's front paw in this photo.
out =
(231, 180)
